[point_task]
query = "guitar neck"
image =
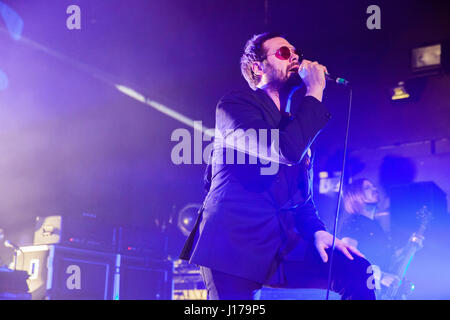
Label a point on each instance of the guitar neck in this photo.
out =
(413, 246)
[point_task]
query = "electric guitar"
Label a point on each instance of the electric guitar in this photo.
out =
(402, 288)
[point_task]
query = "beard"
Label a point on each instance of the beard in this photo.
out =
(294, 80)
(281, 81)
(285, 84)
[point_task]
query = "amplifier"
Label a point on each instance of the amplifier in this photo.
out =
(61, 273)
(140, 278)
(65, 273)
(407, 200)
(84, 231)
(137, 241)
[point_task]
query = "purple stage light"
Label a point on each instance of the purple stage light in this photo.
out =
(3, 80)
(13, 22)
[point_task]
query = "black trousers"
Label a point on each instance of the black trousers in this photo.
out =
(350, 278)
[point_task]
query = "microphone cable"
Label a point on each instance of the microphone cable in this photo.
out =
(341, 182)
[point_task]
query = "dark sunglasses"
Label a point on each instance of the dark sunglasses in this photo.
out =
(284, 53)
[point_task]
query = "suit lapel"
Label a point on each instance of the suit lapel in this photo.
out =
(271, 113)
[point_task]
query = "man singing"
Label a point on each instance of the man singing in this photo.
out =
(261, 227)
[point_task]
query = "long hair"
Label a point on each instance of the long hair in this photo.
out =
(354, 197)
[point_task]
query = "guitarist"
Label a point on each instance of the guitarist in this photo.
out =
(363, 228)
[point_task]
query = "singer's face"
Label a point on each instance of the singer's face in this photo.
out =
(276, 70)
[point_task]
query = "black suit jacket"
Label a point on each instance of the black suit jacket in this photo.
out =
(241, 227)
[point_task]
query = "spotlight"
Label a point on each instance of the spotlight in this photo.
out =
(408, 91)
(187, 217)
(399, 92)
(429, 58)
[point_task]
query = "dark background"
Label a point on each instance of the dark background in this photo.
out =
(71, 143)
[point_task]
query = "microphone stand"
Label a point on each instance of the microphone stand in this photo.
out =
(341, 182)
(16, 249)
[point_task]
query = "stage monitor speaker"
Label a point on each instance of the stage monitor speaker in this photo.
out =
(294, 294)
(13, 284)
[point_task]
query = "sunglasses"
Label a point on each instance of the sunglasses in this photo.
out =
(284, 53)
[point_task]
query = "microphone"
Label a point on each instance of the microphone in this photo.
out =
(11, 245)
(338, 80)
(328, 77)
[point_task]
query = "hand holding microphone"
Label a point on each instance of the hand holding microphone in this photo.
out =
(313, 75)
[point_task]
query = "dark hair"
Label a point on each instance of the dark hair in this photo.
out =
(254, 51)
